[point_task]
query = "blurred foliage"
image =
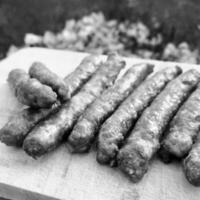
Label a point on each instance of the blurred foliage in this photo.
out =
(177, 19)
(21, 16)
(94, 33)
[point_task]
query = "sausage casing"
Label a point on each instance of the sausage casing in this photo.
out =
(144, 140)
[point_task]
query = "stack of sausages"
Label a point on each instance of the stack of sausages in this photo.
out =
(130, 119)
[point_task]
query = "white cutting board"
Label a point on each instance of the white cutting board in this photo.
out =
(60, 175)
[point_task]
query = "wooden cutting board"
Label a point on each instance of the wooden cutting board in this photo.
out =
(60, 175)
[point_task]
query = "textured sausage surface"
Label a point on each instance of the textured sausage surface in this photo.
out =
(66, 88)
(75, 80)
(144, 140)
(191, 164)
(115, 129)
(88, 124)
(183, 129)
(49, 133)
(29, 91)
(19, 125)
(40, 72)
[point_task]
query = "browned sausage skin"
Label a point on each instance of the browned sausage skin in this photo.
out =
(48, 134)
(144, 140)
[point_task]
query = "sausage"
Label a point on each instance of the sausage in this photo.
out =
(19, 125)
(66, 88)
(86, 128)
(48, 134)
(191, 164)
(82, 73)
(115, 129)
(30, 91)
(40, 72)
(183, 129)
(144, 140)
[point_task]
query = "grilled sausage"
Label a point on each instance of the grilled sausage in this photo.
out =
(19, 125)
(30, 91)
(183, 129)
(116, 128)
(48, 134)
(88, 124)
(144, 140)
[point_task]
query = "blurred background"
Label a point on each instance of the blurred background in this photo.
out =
(158, 29)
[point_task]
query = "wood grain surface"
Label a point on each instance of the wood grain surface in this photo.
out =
(62, 176)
